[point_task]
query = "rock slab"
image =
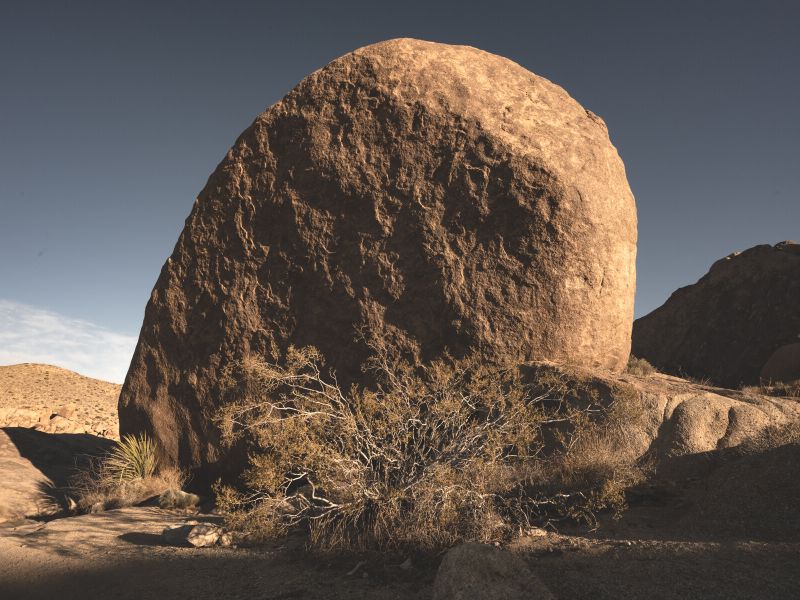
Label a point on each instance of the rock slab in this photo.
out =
(480, 572)
(436, 197)
(725, 327)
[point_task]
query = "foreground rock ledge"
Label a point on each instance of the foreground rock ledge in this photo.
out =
(436, 197)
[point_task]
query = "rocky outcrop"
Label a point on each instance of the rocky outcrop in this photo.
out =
(669, 417)
(36, 468)
(783, 366)
(437, 197)
(684, 418)
(726, 326)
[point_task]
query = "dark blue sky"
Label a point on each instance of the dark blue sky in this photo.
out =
(113, 114)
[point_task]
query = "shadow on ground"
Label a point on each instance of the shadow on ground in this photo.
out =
(120, 554)
(56, 455)
(36, 468)
(724, 495)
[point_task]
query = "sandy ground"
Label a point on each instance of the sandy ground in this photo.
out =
(119, 554)
(666, 546)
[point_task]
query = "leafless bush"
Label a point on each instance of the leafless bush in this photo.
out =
(431, 456)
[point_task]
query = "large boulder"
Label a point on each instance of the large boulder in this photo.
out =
(783, 366)
(726, 326)
(437, 197)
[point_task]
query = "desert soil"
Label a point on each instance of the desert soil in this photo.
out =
(56, 400)
(727, 528)
(119, 554)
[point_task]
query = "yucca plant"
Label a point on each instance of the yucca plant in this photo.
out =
(133, 458)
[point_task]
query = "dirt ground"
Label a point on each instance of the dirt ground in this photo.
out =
(718, 524)
(119, 554)
(664, 547)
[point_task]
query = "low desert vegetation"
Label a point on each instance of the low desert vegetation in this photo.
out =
(427, 457)
(789, 389)
(639, 367)
(772, 437)
(129, 474)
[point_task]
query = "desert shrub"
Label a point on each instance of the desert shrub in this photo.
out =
(431, 455)
(127, 475)
(639, 367)
(788, 389)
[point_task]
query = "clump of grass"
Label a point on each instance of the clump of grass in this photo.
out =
(772, 437)
(639, 367)
(784, 389)
(129, 474)
(432, 455)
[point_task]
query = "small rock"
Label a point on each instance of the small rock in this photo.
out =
(537, 532)
(176, 535)
(481, 572)
(59, 424)
(203, 535)
(67, 411)
(199, 535)
(178, 499)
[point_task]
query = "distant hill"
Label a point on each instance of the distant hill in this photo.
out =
(57, 400)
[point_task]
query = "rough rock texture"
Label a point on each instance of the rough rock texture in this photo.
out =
(437, 197)
(727, 325)
(684, 419)
(783, 365)
(480, 572)
(672, 418)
